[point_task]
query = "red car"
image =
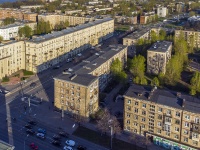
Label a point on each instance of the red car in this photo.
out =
(33, 146)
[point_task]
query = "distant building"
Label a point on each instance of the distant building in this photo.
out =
(170, 119)
(12, 57)
(192, 37)
(30, 17)
(31, 6)
(147, 17)
(57, 46)
(70, 12)
(180, 7)
(162, 11)
(77, 90)
(158, 56)
(10, 31)
(8, 13)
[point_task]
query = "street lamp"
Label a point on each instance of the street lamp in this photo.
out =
(25, 140)
(111, 132)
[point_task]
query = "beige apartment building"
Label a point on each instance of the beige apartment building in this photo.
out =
(77, 89)
(55, 19)
(158, 56)
(192, 37)
(12, 57)
(30, 16)
(171, 119)
(44, 51)
(8, 12)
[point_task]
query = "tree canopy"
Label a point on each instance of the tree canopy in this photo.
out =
(43, 27)
(8, 21)
(195, 83)
(25, 31)
(1, 39)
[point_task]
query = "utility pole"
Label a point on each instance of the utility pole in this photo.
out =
(111, 133)
(62, 112)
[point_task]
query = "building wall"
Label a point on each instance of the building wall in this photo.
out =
(162, 11)
(141, 116)
(30, 16)
(9, 32)
(75, 98)
(12, 58)
(15, 13)
(157, 61)
(192, 37)
(42, 55)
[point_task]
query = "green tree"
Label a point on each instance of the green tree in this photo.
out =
(155, 81)
(25, 31)
(138, 66)
(8, 21)
(1, 39)
(154, 37)
(43, 27)
(173, 70)
(117, 70)
(162, 35)
(191, 13)
(195, 83)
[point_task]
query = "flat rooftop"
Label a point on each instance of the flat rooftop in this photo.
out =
(11, 25)
(160, 46)
(5, 146)
(67, 31)
(137, 34)
(164, 97)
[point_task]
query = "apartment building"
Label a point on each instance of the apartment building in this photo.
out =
(158, 56)
(192, 37)
(131, 39)
(147, 17)
(171, 119)
(55, 19)
(77, 89)
(12, 57)
(162, 11)
(30, 16)
(10, 31)
(7, 12)
(44, 51)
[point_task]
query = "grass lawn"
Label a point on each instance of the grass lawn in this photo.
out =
(27, 73)
(104, 140)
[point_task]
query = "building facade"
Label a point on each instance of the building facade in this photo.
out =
(162, 11)
(165, 114)
(8, 13)
(12, 58)
(44, 51)
(10, 31)
(192, 37)
(77, 89)
(30, 16)
(158, 56)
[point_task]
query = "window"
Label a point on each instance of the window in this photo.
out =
(142, 126)
(135, 124)
(159, 131)
(186, 124)
(143, 112)
(135, 131)
(143, 119)
(144, 105)
(129, 101)
(187, 117)
(167, 119)
(168, 133)
(135, 117)
(185, 139)
(160, 117)
(185, 132)
(136, 110)
(196, 120)
(159, 124)
(167, 128)
(195, 135)
(128, 108)
(136, 103)
(168, 112)
(177, 121)
(178, 114)
(195, 143)
(176, 129)
(128, 115)
(176, 136)
(159, 109)
(128, 121)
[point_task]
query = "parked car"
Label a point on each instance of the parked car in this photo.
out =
(33, 146)
(79, 54)
(29, 131)
(56, 67)
(70, 142)
(56, 143)
(69, 59)
(40, 135)
(80, 147)
(56, 137)
(28, 126)
(64, 134)
(40, 130)
(67, 148)
(32, 122)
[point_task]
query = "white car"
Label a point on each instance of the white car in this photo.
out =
(67, 148)
(70, 142)
(79, 54)
(40, 135)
